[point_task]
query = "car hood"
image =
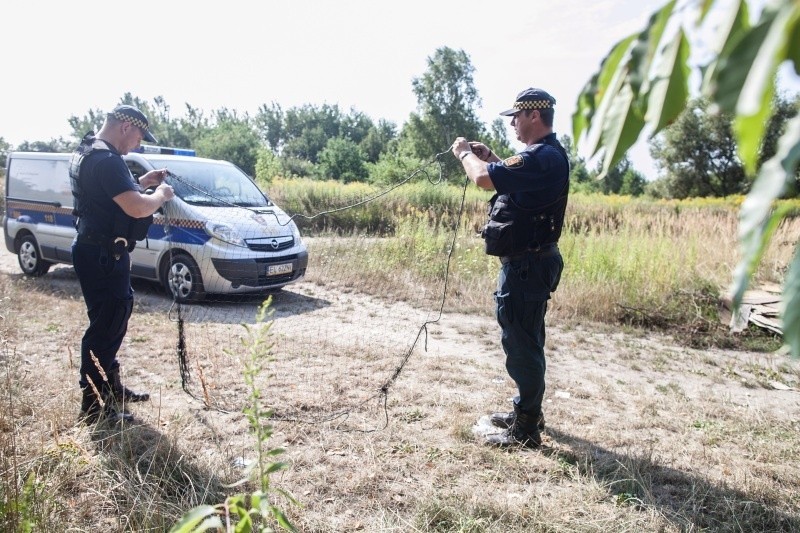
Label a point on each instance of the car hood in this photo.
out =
(251, 222)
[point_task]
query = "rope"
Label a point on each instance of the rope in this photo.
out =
(382, 393)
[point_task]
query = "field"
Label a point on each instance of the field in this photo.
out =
(657, 418)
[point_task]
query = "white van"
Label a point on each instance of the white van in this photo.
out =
(220, 234)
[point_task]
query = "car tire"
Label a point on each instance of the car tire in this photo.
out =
(182, 279)
(29, 258)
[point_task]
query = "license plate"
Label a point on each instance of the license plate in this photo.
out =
(276, 270)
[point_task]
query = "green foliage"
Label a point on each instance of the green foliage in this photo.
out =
(498, 139)
(378, 140)
(633, 183)
(307, 130)
(18, 507)
(269, 123)
(446, 103)
(636, 87)
(783, 109)
(268, 166)
(393, 167)
(698, 151)
(439, 203)
(233, 139)
(53, 145)
(342, 160)
(5, 147)
(254, 511)
(580, 180)
(698, 154)
(303, 132)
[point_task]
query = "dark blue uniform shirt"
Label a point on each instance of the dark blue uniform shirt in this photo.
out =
(536, 177)
(104, 175)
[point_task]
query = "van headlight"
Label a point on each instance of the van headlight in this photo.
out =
(226, 233)
(295, 230)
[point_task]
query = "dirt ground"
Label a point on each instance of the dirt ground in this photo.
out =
(724, 420)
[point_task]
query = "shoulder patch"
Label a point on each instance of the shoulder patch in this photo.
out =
(513, 162)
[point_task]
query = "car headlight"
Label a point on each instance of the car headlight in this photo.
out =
(226, 233)
(295, 230)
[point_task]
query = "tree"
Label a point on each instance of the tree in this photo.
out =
(446, 103)
(644, 84)
(612, 181)
(269, 124)
(633, 183)
(301, 133)
(232, 139)
(580, 179)
(268, 166)
(341, 159)
(698, 154)
(53, 145)
(378, 140)
(5, 147)
(784, 109)
(168, 131)
(498, 139)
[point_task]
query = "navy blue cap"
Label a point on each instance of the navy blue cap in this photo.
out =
(531, 99)
(129, 113)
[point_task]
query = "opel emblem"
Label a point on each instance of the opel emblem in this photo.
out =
(274, 244)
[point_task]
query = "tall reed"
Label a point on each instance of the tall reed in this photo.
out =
(622, 254)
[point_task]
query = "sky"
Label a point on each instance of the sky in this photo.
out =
(62, 59)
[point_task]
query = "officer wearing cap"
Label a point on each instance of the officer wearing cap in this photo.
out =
(526, 216)
(112, 212)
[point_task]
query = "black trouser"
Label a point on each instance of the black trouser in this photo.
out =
(106, 286)
(523, 288)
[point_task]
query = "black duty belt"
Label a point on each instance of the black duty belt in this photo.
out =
(115, 246)
(94, 239)
(548, 250)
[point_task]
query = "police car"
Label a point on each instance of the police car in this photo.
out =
(220, 234)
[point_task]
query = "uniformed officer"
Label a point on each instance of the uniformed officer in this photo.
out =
(112, 212)
(526, 216)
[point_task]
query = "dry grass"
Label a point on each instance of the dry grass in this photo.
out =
(644, 433)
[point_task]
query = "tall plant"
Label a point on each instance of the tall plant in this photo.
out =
(255, 511)
(643, 84)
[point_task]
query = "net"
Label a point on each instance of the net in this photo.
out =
(349, 308)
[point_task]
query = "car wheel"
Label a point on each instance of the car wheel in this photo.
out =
(30, 261)
(182, 279)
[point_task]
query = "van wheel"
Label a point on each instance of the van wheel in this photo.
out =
(30, 261)
(182, 279)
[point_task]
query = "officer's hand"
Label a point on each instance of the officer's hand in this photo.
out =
(481, 150)
(460, 145)
(166, 191)
(153, 178)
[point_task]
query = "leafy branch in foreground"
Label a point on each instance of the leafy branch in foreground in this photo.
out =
(644, 83)
(245, 513)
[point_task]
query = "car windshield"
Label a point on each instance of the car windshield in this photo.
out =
(216, 184)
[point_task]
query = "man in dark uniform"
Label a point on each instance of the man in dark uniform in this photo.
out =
(113, 212)
(525, 221)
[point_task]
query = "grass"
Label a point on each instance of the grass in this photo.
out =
(646, 430)
(627, 261)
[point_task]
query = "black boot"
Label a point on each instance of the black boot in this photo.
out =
(506, 420)
(524, 431)
(94, 410)
(122, 393)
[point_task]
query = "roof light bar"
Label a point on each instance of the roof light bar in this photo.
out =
(165, 150)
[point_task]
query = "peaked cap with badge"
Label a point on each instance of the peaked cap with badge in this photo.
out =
(129, 113)
(531, 99)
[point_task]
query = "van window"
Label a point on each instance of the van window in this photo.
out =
(33, 179)
(214, 184)
(136, 169)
